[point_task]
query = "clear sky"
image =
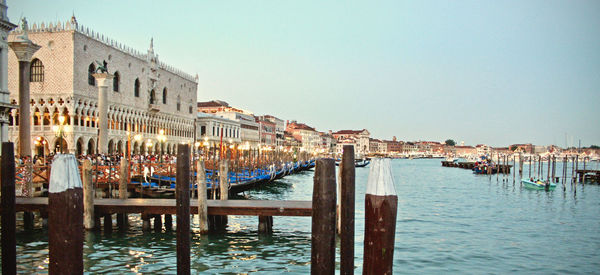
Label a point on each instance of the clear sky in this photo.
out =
(494, 72)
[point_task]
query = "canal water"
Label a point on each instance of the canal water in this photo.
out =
(449, 220)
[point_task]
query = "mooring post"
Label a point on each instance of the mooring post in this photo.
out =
(9, 218)
(381, 203)
(88, 195)
(223, 191)
(182, 192)
(202, 197)
(323, 218)
(65, 217)
(265, 224)
(168, 222)
(145, 222)
(122, 220)
(347, 211)
(157, 222)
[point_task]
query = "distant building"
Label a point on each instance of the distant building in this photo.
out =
(360, 139)
(522, 148)
(308, 136)
(464, 151)
(145, 97)
(266, 131)
(214, 129)
(279, 128)
(249, 134)
(394, 146)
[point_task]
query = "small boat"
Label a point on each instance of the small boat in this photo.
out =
(535, 184)
(357, 162)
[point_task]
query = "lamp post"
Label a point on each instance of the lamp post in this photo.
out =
(60, 130)
(161, 138)
(39, 141)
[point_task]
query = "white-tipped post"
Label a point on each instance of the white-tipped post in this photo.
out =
(381, 203)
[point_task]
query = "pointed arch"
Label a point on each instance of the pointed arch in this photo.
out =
(116, 79)
(136, 88)
(91, 78)
(164, 95)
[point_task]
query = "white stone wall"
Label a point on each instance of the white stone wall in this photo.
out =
(66, 52)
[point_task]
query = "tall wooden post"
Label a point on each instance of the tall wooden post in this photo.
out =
(65, 217)
(381, 203)
(347, 211)
(122, 220)
(9, 244)
(323, 218)
(182, 192)
(202, 197)
(88, 196)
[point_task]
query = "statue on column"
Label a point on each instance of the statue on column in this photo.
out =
(25, 28)
(102, 67)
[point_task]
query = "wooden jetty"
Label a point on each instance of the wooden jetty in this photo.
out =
(587, 174)
(167, 206)
(501, 168)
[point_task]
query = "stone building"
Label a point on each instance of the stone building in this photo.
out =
(249, 134)
(359, 137)
(5, 106)
(212, 129)
(146, 96)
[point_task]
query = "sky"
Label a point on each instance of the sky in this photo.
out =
(491, 72)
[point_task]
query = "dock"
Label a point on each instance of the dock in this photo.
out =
(168, 206)
(587, 174)
(498, 168)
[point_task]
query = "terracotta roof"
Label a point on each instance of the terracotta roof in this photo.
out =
(349, 132)
(213, 103)
(300, 126)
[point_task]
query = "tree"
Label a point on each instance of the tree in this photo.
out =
(513, 147)
(450, 142)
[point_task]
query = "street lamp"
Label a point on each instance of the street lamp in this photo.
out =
(60, 131)
(161, 138)
(39, 141)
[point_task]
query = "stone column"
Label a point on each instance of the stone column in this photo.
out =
(103, 80)
(24, 50)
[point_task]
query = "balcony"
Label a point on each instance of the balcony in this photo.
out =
(153, 108)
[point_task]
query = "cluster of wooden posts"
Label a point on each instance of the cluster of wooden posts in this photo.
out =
(70, 209)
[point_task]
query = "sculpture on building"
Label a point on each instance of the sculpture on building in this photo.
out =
(25, 28)
(102, 67)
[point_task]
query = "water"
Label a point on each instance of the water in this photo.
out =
(449, 220)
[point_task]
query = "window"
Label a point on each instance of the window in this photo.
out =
(136, 88)
(152, 98)
(178, 103)
(165, 95)
(91, 79)
(190, 109)
(37, 71)
(116, 80)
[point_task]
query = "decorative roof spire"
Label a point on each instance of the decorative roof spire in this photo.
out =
(151, 44)
(73, 19)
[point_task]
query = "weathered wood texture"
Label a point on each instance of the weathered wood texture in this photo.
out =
(9, 245)
(323, 218)
(347, 211)
(65, 232)
(168, 206)
(182, 197)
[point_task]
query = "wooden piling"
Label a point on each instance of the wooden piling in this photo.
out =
(182, 192)
(381, 203)
(202, 197)
(221, 221)
(145, 222)
(88, 195)
(122, 219)
(158, 222)
(9, 244)
(265, 224)
(347, 194)
(65, 217)
(168, 222)
(323, 218)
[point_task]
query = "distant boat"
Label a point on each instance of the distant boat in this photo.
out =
(534, 184)
(357, 163)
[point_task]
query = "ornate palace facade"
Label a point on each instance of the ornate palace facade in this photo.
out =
(146, 96)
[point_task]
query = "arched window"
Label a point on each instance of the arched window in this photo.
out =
(91, 79)
(116, 80)
(136, 88)
(152, 97)
(37, 71)
(178, 103)
(165, 95)
(190, 109)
